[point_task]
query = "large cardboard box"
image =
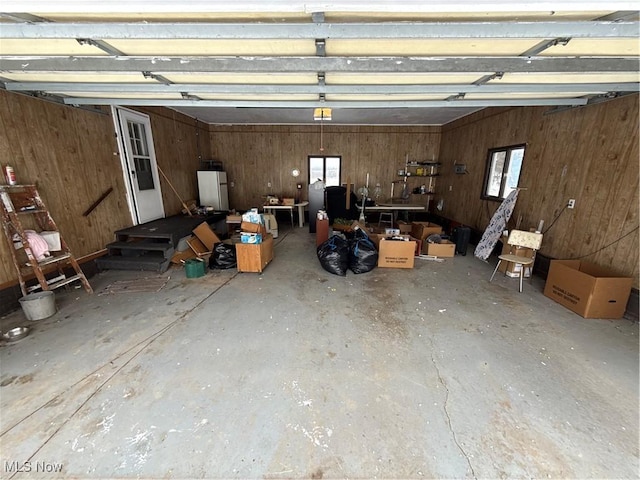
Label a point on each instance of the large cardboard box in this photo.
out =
(376, 236)
(396, 253)
(421, 230)
(513, 269)
(404, 226)
(206, 236)
(588, 289)
(444, 249)
(254, 257)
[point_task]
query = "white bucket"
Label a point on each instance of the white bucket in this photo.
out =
(40, 305)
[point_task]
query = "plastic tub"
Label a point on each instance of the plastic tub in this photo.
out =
(194, 268)
(40, 305)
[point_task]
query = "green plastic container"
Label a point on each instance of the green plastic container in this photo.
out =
(194, 268)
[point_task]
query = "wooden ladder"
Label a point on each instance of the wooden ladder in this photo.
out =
(24, 200)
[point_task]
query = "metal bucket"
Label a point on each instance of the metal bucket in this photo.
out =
(40, 305)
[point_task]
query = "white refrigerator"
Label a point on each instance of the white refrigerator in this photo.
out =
(212, 189)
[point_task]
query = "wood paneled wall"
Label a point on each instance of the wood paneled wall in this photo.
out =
(72, 155)
(254, 156)
(589, 153)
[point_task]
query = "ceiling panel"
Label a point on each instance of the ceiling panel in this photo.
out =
(377, 62)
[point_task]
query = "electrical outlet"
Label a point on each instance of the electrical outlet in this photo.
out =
(269, 184)
(571, 203)
(233, 184)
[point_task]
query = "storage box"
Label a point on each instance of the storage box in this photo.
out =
(421, 230)
(206, 235)
(250, 237)
(253, 258)
(513, 269)
(588, 289)
(53, 240)
(445, 248)
(404, 226)
(396, 253)
(253, 227)
(288, 201)
(375, 238)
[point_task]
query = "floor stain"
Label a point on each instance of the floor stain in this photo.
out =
(317, 474)
(25, 378)
(8, 381)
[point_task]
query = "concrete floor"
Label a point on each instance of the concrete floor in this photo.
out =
(297, 373)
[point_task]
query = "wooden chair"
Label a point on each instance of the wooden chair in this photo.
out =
(520, 238)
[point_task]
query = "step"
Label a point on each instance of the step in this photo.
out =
(152, 263)
(133, 248)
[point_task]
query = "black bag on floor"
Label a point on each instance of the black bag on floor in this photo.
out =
(334, 255)
(223, 256)
(363, 255)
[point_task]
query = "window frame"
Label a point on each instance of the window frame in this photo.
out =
(505, 169)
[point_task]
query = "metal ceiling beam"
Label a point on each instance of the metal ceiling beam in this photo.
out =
(321, 87)
(161, 64)
(276, 6)
(289, 31)
(330, 104)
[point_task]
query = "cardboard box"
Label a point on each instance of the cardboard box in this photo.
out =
(396, 253)
(234, 218)
(588, 289)
(250, 237)
(253, 227)
(445, 249)
(375, 238)
(405, 228)
(254, 257)
(198, 247)
(207, 236)
(180, 257)
(421, 230)
(513, 269)
(288, 201)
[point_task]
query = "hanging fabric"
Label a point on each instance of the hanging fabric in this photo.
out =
(496, 226)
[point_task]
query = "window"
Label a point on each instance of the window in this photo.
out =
(502, 172)
(326, 169)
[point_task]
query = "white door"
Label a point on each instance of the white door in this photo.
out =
(139, 164)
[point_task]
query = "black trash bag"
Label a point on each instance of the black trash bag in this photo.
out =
(223, 256)
(334, 255)
(363, 254)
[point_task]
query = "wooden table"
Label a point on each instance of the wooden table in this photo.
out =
(300, 206)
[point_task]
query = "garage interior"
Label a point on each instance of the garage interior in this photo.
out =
(292, 372)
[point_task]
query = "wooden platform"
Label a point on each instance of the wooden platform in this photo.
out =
(150, 246)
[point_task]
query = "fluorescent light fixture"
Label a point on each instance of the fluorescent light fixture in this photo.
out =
(322, 114)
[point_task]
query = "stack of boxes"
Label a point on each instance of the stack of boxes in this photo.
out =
(255, 249)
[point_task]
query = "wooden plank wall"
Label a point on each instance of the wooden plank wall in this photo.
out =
(589, 153)
(253, 156)
(72, 155)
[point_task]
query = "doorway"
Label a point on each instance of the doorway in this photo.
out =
(139, 165)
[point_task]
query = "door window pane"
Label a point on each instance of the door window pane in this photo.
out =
(326, 169)
(332, 174)
(144, 175)
(316, 169)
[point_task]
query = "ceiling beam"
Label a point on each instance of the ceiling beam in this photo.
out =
(289, 31)
(321, 87)
(161, 64)
(308, 6)
(331, 104)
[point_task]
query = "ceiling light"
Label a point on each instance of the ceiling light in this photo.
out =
(322, 114)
